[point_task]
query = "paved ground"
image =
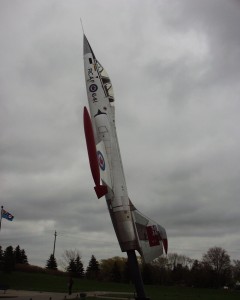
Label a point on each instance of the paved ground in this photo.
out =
(33, 295)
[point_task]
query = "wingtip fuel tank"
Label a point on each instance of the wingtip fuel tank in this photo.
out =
(101, 190)
(134, 231)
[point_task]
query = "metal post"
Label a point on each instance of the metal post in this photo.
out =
(55, 235)
(136, 275)
(1, 218)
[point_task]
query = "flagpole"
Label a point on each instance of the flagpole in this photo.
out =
(1, 218)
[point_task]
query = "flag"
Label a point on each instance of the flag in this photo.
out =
(7, 215)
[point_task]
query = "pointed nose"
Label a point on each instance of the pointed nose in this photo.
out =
(86, 47)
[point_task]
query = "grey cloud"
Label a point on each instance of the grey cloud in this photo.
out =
(175, 76)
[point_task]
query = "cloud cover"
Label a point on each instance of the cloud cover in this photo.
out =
(175, 72)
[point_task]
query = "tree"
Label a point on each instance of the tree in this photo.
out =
(196, 274)
(147, 273)
(218, 261)
(8, 259)
(116, 273)
(1, 258)
(162, 270)
(75, 267)
(174, 259)
(71, 267)
(107, 268)
(179, 274)
(17, 254)
(20, 256)
(161, 262)
(236, 270)
(126, 277)
(93, 268)
(69, 256)
(51, 263)
(24, 258)
(79, 267)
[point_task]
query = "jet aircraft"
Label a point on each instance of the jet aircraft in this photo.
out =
(134, 231)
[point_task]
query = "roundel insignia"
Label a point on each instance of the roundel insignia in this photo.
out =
(93, 88)
(101, 160)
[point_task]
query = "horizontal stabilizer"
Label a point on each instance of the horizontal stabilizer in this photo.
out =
(152, 237)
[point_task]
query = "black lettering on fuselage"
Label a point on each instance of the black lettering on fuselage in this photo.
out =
(94, 96)
(90, 75)
(91, 79)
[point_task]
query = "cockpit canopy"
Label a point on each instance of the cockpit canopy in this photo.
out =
(106, 82)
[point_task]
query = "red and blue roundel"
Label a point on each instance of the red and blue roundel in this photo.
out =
(93, 88)
(101, 160)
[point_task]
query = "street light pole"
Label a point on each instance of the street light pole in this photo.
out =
(55, 236)
(1, 218)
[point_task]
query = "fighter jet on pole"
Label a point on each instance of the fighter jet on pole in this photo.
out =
(134, 231)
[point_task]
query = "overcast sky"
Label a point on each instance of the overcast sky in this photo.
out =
(175, 70)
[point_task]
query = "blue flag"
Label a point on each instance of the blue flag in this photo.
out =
(7, 215)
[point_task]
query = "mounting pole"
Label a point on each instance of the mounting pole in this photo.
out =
(136, 275)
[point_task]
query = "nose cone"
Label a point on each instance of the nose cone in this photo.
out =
(86, 47)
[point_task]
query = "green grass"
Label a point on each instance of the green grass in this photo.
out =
(51, 283)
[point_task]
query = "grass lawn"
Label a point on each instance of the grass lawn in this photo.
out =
(51, 283)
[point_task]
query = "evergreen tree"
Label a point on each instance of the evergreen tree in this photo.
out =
(72, 267)
(17, 255)
(75, 267)
(8, 259)
(51, 263)
(67, 256)
(79, 267)
(93, 268)
(20, 256)
(1, 258)
(24, 259)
